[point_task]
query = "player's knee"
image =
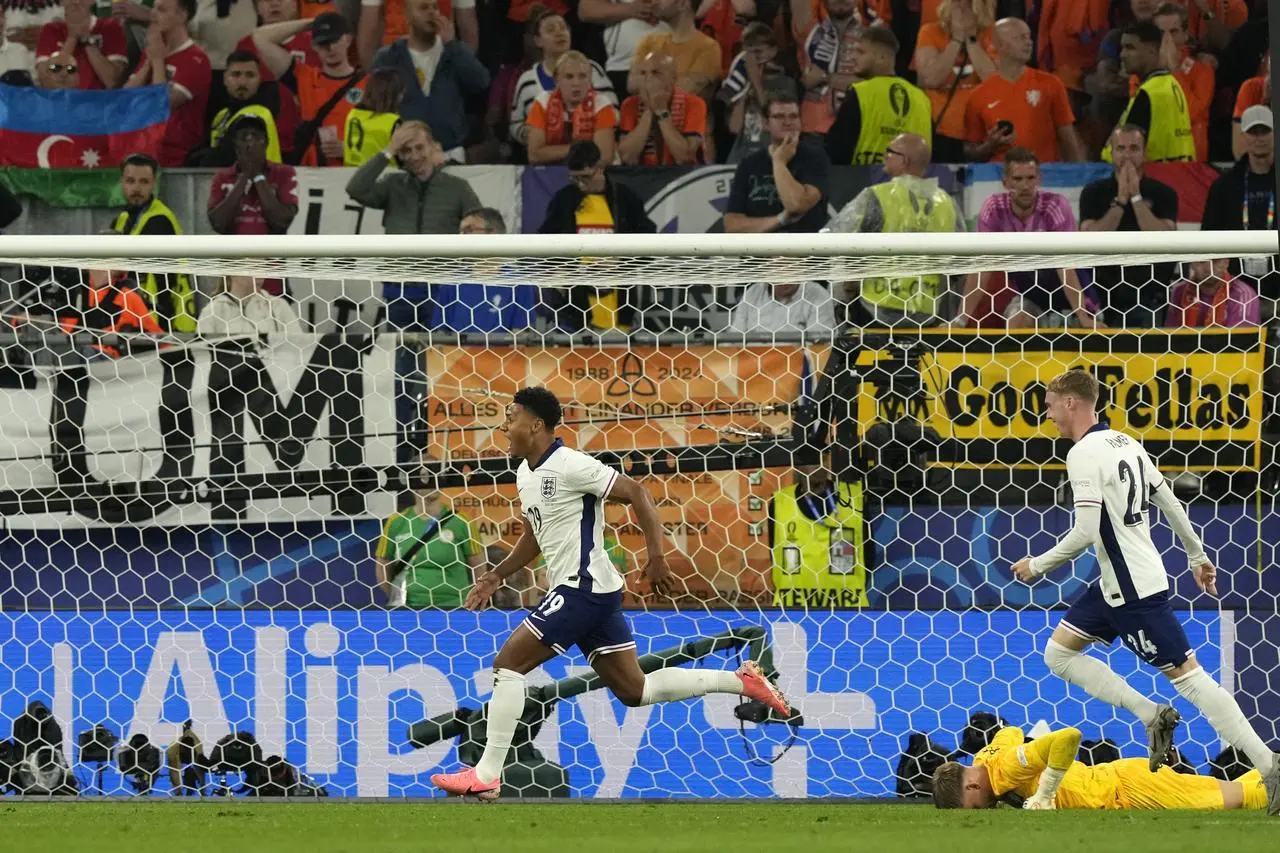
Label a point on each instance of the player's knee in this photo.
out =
(631, 695)
(1058, 658)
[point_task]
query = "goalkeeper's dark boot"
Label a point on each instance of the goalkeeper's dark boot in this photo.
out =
(1271, 779)
(1160, 736)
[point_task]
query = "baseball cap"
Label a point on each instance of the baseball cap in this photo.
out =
(248, 122)
(328, 28)
(1255, 117)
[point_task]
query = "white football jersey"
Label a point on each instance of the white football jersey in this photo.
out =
(1112, 470)
(562, 499)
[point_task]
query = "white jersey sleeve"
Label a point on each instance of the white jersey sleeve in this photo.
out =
(587, 474)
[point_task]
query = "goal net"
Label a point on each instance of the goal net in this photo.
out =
(210, 522)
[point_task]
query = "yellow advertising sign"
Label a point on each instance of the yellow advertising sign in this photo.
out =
(1193, 398)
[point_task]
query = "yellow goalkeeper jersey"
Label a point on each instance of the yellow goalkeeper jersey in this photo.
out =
(1016, 766)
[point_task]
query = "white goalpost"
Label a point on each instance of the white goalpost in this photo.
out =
(194, 520)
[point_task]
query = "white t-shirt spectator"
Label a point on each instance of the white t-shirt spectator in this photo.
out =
(425, 63)
(622, 38)
(810, 310)
(220, 36)
(256, 314)
(34, 14)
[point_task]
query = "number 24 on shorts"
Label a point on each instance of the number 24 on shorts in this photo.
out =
(1141, 646)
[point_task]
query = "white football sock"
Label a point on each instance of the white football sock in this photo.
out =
(673, 684)
(1224, 714)
(1098, 680)
(505, 708)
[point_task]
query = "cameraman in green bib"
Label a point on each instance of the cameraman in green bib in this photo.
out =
(817, 532)
(1159, 106)
(427, 555)
(908, 203)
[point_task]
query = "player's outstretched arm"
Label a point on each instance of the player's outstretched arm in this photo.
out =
(525, 550)
(628, 491)
(1176, 514)
(1081, 535)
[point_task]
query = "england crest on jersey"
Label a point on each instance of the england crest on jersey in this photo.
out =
(548, 490)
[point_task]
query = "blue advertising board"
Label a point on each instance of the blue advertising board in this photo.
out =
(335, 691)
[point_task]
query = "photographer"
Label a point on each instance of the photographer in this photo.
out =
(427, 556)
(817, 533)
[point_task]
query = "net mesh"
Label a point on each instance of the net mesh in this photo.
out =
(195, 519)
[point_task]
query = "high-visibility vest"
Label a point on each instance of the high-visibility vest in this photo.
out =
(223, 121)
(907, 210)
(181, 316)
(1169, 137)
(889, 106)
(366, 134)
(819, 564)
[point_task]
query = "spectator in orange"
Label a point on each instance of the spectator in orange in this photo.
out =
(724, 21)
(1070, 34)
(952, 57)
(1254, 92)
(325, 94)
(571, 112)
(1213, 21)
(696, 55)
(172, 59)
(383, 22)
(96, 45)
(827, 61)
(1210, 296)
(550, 33)
(298, 44)
(1195, 75)
(1019, 105)
(661, 125)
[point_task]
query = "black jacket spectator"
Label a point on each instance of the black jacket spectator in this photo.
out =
(754, 192)
(10, 207)
(629, 216)
(1132, 296)
(1224, 210)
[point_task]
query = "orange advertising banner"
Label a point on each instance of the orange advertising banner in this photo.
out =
(635, 399)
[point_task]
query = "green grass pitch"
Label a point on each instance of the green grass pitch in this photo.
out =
(571, 828)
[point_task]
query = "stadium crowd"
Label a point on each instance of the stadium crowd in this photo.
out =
(783, 91)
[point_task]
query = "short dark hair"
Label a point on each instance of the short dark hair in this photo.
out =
(236, 56)
(537, 15)
(541, 403)
(780, 95)
(1173, 9)
(881, 37)
(1130, 127)
(140, 159)
(583, 154)
(189, 8)
(758, 33)
(1020, 155)
(1146, 32)
(492, 218)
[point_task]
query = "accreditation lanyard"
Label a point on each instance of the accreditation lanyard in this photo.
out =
(829, 501)
(1244, 207)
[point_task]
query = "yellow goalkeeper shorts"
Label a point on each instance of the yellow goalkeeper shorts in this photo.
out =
(1142, 790)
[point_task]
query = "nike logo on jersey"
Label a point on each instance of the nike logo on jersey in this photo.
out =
(993, 105)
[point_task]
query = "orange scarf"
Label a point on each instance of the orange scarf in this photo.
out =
(583, 119)
(1196, 313)
(655, 149)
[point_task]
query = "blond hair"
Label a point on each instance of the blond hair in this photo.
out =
(1077, 383)
(948, 785)
(984, 11)
(571, 56)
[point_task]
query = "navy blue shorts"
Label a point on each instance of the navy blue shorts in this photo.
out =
(592, 621)
(1147, 626)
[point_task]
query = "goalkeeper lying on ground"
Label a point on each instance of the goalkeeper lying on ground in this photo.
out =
(1044, 774)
